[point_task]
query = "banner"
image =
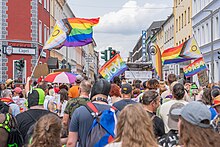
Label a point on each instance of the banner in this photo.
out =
(203, 78)
(114, 67)
(195, 67)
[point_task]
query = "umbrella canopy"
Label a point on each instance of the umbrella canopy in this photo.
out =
(60, 77)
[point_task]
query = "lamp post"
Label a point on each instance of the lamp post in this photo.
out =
(212, 49)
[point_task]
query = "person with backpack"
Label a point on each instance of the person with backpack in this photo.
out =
(216, 121)
(27, 119)
(93, 124)
(134, 128)
(151, 101)
(7, 99)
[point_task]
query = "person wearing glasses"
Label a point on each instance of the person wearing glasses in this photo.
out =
(151, 101)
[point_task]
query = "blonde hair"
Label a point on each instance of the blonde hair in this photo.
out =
(47, 132)
(134, 127)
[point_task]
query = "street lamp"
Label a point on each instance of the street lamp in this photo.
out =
(212, 51)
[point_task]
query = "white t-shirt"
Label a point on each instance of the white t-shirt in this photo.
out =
(164, 112)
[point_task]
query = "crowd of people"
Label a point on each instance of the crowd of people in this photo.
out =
(113, 114)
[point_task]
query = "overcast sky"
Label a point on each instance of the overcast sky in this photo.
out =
(121, 21)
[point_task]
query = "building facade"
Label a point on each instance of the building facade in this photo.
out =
(203, 12)
(24, 27)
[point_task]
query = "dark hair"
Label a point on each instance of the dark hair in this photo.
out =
(137, 85)
(63, 94)
(171, 78)
(178, 91)
(63, 87)
(206, 97)
(43, 85)
(149, 96)
(215, 92)
(145, 84)
(116, 80)
(115, 90)
(153, 84)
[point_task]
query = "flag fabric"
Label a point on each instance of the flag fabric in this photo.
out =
(114, 67)
(188, 50)
(195, 67)
(155, 54)
(71, 32)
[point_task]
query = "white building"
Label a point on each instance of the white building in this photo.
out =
(168, 27)
(201, 22)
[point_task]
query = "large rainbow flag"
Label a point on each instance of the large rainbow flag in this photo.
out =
(188, 50)
(195, 67)
(155, 54)
(114, 67)
(71, 32)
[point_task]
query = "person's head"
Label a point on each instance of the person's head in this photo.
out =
(134, 127)
(206, 96)
(43, 85)
(126, 90)
(153, 84)
(63, 94)
(216, 102)
(135, 92)
(145, 84)
(9, 83)
(36, 97)
(47, 131)
(17, 91)
(171, 78)
(162, 87)
(178, 91)
(115, 91)
(7, 93)
(117, 80)
(85, 87)
(101, 89)
(151, 99)
(79, 79)
(194, 126)
(215, 92)
(3, 132)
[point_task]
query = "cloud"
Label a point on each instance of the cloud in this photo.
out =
(131, 18)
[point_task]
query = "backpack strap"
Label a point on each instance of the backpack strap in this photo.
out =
(31, 116)
(5, 124)
(92, 109)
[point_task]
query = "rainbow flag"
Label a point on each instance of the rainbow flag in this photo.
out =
(188, 50)
(71, 32)
(114, 67)
(155, 53)
(195, 67)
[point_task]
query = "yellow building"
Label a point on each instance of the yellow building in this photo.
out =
(182, 21)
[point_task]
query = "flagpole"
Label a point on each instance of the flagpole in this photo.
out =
(36, 63)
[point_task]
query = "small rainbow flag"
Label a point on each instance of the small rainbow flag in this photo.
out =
(71, 32)
(114, 67)
(172, 53)
(195, 67)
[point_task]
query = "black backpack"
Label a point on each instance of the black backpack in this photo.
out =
(10, 125)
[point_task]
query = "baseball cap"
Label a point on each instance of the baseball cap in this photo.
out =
(126, 88)
(194, 112)
(100, 87)
(79, 79)
(17, 90)
(216, 101)
(36, 97)
(173, 119)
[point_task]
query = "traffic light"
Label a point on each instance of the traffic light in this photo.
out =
(19, 64)
(112, 53)
(104, 55)
(218, 54)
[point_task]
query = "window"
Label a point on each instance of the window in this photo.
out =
(179, 23)
(207, 33)
(185, 18)
(195, 7)
(203, 36)
(199, 42)
(48, 5)
(48, 33)
(45, 4)
(182, 20)
(40, 1)
(45, 34)
(40, 31)
(189, 15)
(176, 25)
(216, 28)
